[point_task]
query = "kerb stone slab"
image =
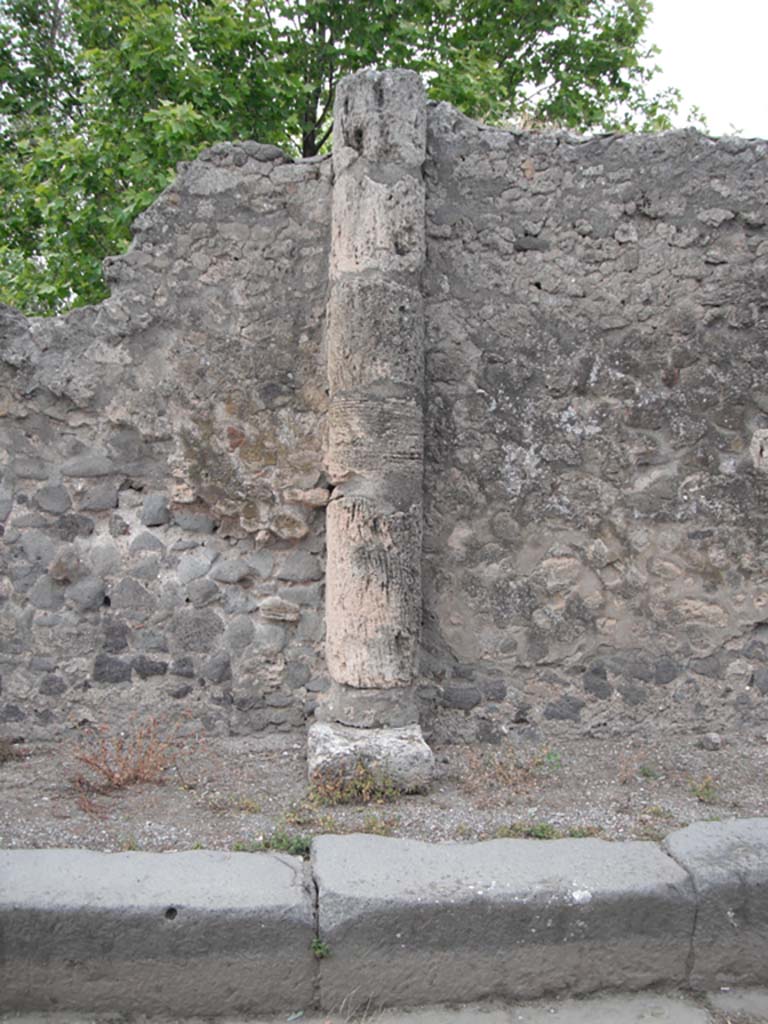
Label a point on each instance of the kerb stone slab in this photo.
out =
(199, 933)
(408, 922)
(728, 862)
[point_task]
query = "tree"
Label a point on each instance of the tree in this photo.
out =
(99, 99)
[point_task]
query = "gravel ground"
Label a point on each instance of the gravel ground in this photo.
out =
(230, 793)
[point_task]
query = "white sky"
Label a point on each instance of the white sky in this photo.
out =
(716, 53)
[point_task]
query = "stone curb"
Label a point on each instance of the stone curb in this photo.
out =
(394, 922)
(197, 933)
(508, 919)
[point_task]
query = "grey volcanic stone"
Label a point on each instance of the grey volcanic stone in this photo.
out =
(218, 668)
(87, 466)
(146, 667)
(117, 635)
(86, 594)
(134, 600)
(596, 682)
(66, 564)
(53, 498)
(462, 696)
(231, 570)
(411, 922)
(105, 558)
(12, 713)
(261, 562)
(70, 526)
(728, 862)
(184, 667)
(239, 634)
(154, 511)
(711, 741)
(268, 638)
(278, 610)
(53, 686)
(397, 756)
(146, 542)
(38, 547)
(99, 498)
(107, 669)
(192, 567)
(47, 595)
(196, 630)
(300, 566)
(193, 522)
(665, 671)
(195, 933)
(567, 708)
(202, 592)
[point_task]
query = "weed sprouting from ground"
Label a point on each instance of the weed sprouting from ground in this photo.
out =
(532, 830)
(143, 752)
(278, 841)
(505, 772)
(705, 790)
(380, 825)
(545, 830)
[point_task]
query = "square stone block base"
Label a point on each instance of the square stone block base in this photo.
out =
(398, 757)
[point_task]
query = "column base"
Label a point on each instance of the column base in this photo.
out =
(340, 756)
(368, 708)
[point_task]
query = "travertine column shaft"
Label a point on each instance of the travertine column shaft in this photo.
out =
(376, 378)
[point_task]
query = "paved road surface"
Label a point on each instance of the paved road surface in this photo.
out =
(729, 1007)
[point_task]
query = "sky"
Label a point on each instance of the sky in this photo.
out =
(716, 53)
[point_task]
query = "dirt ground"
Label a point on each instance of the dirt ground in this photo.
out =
(227, 793)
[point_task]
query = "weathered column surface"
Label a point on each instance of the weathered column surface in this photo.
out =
(375, 432)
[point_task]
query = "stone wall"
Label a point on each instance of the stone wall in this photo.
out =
(597, 405)
(596, 418)
(162, 489)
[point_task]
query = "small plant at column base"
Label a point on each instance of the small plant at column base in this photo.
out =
(363, 785)
(320, 949)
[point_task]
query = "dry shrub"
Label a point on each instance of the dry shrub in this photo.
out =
(9, 751)
(141, 753)
(493, 776)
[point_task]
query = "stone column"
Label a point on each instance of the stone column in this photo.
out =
(375, 455)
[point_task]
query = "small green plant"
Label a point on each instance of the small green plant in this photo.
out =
(584, 832)
(647, 771)
(705, 790)
(363, 785)
(655, 811)
(246, 805)
(281, 841)
(129, 844)
(550, 760)
(320, 949)
(376, 825)
(528, 830)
